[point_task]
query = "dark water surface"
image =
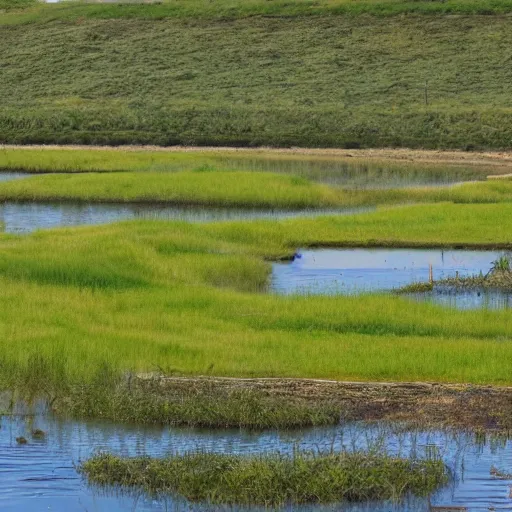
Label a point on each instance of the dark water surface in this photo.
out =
(41, 474)
(351, 271)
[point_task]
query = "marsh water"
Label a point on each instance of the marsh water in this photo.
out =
(41, 474)
(369, 175)
(27, 217)
(352, 271)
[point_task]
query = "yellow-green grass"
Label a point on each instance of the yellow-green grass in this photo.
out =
(315, 166)
(187, 187)
(70, 160)
(235, 188)
(184, 298)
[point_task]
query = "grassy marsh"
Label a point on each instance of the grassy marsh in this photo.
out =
(271, 479)
(199, 187)
(236, 188)
(186, 299)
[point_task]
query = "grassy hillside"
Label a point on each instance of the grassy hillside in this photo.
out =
(259, 73)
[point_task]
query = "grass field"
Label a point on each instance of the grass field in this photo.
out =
(187, 299)
(347, 74)
(233, 9)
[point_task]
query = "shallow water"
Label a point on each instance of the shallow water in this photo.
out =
(27, 217)
(466, 298)
(9, 176)
(356, 175)
(41, 474)
(351, 271)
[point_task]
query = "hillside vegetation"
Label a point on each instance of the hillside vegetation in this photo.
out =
(326, 73)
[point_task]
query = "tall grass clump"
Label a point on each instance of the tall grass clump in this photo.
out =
(502, 264)
(270, 479)
(194, 407)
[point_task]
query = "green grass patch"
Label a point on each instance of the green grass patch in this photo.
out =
(235, 188)
(205, 188)
(186, 299)
(231, 9)
(118, 77)
(271, 479)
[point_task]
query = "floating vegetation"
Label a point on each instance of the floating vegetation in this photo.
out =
(38, 433)
(271, 479)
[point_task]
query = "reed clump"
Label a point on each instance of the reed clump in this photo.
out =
(271, 479)
(499, 277)
(196, 407)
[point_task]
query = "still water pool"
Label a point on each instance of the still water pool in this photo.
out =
(41, 475)
(27, 217)
(352, 271)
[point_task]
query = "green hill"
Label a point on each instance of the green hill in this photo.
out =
(328, 73)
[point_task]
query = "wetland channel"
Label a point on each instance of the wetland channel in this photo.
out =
(41, 474)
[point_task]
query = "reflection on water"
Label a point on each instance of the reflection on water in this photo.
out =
(26, 217)
(9, 176)
(356, 175)
(41, 474)
(466, 298)
(349, 271)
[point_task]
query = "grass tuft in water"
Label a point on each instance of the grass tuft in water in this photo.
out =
(198, 406)
(271, 479)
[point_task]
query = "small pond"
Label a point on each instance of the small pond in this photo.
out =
(41, 475)
(27, 217)
(352, 271)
